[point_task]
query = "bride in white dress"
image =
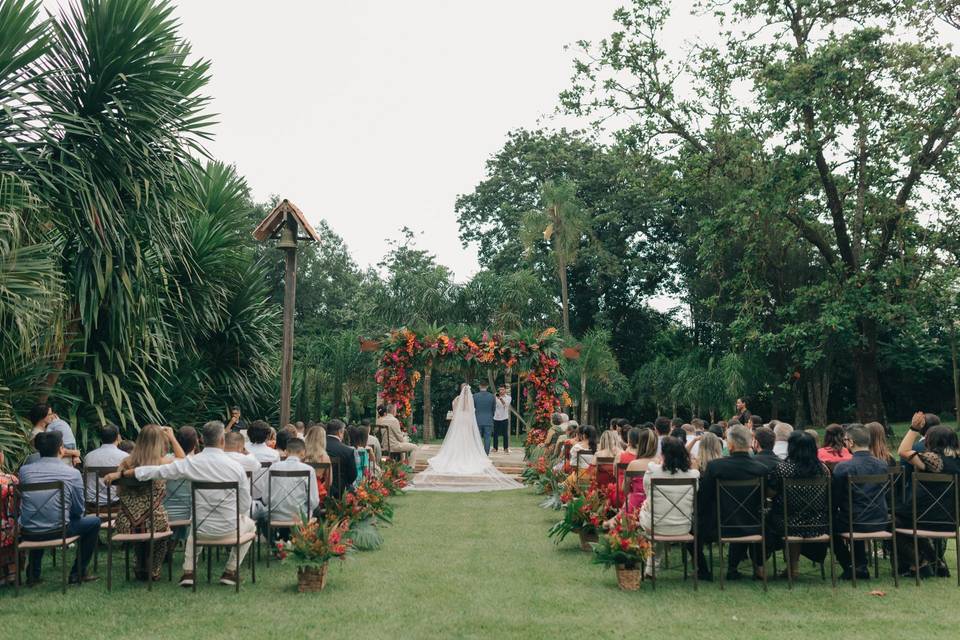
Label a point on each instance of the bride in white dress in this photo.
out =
(462, 464)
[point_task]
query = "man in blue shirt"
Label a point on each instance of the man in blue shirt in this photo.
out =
(40, 511)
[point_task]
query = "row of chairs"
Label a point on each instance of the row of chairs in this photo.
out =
(735, 498)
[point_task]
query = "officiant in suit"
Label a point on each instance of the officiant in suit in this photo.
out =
(485, 405)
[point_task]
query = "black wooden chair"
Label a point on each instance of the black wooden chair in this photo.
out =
(856, 486)
(62, 540)
(235, 539)
(670, 504)
(740, 517)
(938, 520)
(803, 494)
(106, 512)
(150, 537)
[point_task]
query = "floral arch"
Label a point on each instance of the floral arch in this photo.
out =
(535, 357)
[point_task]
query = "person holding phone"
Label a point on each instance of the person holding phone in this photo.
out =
(501, 419)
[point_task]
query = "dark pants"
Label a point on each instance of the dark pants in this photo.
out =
(739, 552)
(87, 527)
(501, 428)
(842, 552)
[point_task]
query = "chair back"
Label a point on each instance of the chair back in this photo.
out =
(628, 477)
(95, 475)
(933, 501)
(582, 453)
(872, 490)
(325, 469)
(289, 491)
(56, 489)
(805, 495)
(133, 483)
(740, 507)
(605, 465)
(220, 487)
(669, 502)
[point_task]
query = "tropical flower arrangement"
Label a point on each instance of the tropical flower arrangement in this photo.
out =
(395, 476)
(365, 508)
(626, 548)
(583, 513)
(536, 357)
(313, 545)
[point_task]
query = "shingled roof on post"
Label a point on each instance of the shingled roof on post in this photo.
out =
(272, 223)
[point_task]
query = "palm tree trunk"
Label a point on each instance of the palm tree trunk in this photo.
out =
(427, 403)
(584, 402)
(564, 298)
(347, 396)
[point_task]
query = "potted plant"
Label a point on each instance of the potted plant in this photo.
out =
(582, 514)
(313, 545)
(625, 548)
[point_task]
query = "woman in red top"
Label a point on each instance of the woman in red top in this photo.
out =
(647, 441)
(626, 456)
(834, 447)
(609, 447)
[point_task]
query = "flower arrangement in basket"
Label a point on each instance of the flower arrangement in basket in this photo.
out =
(395, 476)
(313, 545)
(626, 548)
(583, 514)
(364, 508)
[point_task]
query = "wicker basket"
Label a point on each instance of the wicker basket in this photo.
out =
(586, 538)
(628, 579)
(311, 579)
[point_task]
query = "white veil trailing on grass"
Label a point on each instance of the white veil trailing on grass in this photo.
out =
(462, 465)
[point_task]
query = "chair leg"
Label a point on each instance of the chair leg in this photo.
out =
(126, 561)
(763, 562)
(916, 558)
(683, 556)
(654, 569)
(853, 564)
(786, 557)
(63, 551)
(16, 567)
(721, 570)
(109, 563)
(253, 568)
(149, 566)
(876, 559)
(774, 563)
(833, 564)
(896, 564)
(956, 550)
(210, 564)
(696, 565)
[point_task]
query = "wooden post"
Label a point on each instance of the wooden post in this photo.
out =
(289, 301)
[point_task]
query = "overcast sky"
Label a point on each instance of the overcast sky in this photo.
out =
(377, 114)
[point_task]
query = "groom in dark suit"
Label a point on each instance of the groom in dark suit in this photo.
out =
(484, 405)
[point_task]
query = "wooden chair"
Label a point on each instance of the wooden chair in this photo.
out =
(106, 512)
(942, 511)
(126, 539)
(581, 454)
(855, 486)
(285, 524)
(628, 477)
(794, 488)
(619, 472)
(658, 495)
(323, 469)
(63, 541)
(740, 512)
(605, 463)
(230, 540)
(264, 469)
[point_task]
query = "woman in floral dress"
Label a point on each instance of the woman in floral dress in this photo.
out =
(8, 485)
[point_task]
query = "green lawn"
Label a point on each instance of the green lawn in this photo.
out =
(478, 566)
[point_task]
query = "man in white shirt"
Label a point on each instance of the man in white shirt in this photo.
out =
(216, 514)
(258, 433)
(106, 455)
(236, 450)
(288, 498)
(782, 431)
(501, 419)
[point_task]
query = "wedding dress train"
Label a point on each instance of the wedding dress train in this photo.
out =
(462, 465)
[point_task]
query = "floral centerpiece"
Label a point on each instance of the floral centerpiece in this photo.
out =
(313, 545)
(395, 476)
(626, 548)
(583, 514)
(364, 508)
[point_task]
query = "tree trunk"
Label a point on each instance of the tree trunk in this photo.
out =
(336, 400)
(674, 407)
(774, 408)
(956, 371)
(427, 403)
(584, 403)
(564, 299)
(799, 419)
(348, 397)
(72, 331)
(818, 393)
(866, 370)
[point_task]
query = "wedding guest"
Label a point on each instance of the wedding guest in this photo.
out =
(106, 455)
(44, 419)
(879, 448)
(782, 431)
(217, 513)
(235, 422)
(8, 485)
(373, 443)
(936, 512)
(40, 511)
(234, 447)
(396, 440)
(126, 446)
(711, 448)
(357, 439)
(807, 505)
(283, 437)
(259, 433)
(608, 447)
(629, 454)
(755, 422)
(671, 505)
(680, 434)
(178, 499)
(834, 447)
(582, 453)
(662, 427)
(315, 451)
(869, 502)
(346, 468)
(501, 418)
(136, 506)
(557, 429)
(291, 498)
(764, 441)
(647, 444)
(813, 433)
(301, 429)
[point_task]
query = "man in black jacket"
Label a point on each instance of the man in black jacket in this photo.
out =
(764, 439)
(739, 465)
(346, 470)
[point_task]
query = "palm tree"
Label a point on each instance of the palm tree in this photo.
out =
(562, 224)
(597, 364)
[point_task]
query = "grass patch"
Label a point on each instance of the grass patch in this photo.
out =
(475, 566)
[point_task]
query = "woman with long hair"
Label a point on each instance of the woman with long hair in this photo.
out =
(806, 505)
(316, 452)
(646, 453)
(711, 448)
(610, 446)
(834, 447)
(582, 453)
(135, 504)
(878, 443)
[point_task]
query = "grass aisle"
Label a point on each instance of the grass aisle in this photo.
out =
(477, 566)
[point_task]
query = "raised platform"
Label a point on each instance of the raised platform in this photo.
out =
(509, 463)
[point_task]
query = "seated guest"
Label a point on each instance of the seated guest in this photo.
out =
(557, 430)
(608, 447)
(136, 507)
(629, 454)
(755, 422)
(710, 448)
(283, 437)
(671, 505)
(879, 448)
(357, 439)
(869, 502)
(259, 434)
(126, 446)
(782, 431)
(315, 451)
(813, 433)
(739, 465)
(396, 441)
(662, 426)
(834, 447)
(647, 445)
(43, 418)
(301, 429)
(234, 447)
(570, 437)
(8, 484)
(935, 506)
(764, 440)
(216, 514)
(807, 506)
(582, 454)
(374, 444)
(680, 434)
(346, 469)
(292, 498)
(106, 455)
(40, 511)
(178, 498)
